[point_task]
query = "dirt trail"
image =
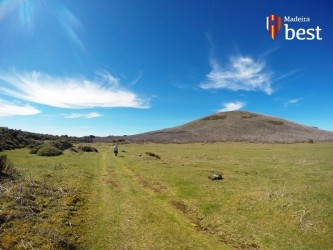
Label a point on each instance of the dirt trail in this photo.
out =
(124, 212)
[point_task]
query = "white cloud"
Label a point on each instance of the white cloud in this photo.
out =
(292, 101)
(88, 116)
(69, 92)
(231, 106)
(290, 73)
(107, 77)
(11, 109)
(71, 25)
(27, 14)
(243, 73)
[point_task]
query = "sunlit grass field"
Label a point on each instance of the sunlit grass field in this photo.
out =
(272, 197)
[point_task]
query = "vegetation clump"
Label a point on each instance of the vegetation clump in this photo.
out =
(52, 148)
(214, 117)
(62, 144)
(49, 150)
(74, 149)
(35, 215)
(6, 167)
(12, 139)
(88, 149)
(248, 116)
(275, 122)
(153, 155)
(3, 163)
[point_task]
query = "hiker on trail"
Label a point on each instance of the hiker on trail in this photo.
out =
(115, 150)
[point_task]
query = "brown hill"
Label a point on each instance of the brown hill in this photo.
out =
(237, 126)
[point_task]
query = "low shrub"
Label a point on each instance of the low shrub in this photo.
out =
(52, 148)
(3, 163)
(74, 149)
(275, 122)
(61, 144)
(87, 149)
(48, 150)
(34, 144)
(35, 149)
(153, 155)
(6, 167)
(214, 117)
(248, 116)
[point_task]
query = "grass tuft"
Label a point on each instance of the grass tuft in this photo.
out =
(37, 215)
(153, 155)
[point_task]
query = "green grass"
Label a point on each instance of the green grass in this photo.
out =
(272, 196)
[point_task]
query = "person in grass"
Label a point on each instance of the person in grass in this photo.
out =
(115, 150)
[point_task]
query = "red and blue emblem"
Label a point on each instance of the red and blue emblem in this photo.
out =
(273, 25)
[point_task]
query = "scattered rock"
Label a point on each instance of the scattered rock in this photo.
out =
(215, 177)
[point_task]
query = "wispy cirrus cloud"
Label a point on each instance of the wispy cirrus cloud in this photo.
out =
(24, 11)
(242, 73)
(87, 116)
(11, 109)
(232, 106)
(69, 92)
(292, 102)
(71, 25)
(29, 13)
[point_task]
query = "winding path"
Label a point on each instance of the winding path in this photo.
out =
(126, 212)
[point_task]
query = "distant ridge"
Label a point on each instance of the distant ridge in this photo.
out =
(236, 126)
(14, 139)
(233, 126)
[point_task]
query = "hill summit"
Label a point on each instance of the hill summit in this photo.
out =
(236, 126)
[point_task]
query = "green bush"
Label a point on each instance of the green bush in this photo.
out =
(32, 144)
(74, 149)
(52, 148)
(88, 149)
(6, 167)
(49, 150)
(3, 163)
(62, 144)
(153, 155)
(36, 148)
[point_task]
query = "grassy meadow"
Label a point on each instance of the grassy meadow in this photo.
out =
(158, 196)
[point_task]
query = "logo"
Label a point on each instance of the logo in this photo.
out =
(273, 25)
(295, 28)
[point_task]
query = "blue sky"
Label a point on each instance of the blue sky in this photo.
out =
(107, 67)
